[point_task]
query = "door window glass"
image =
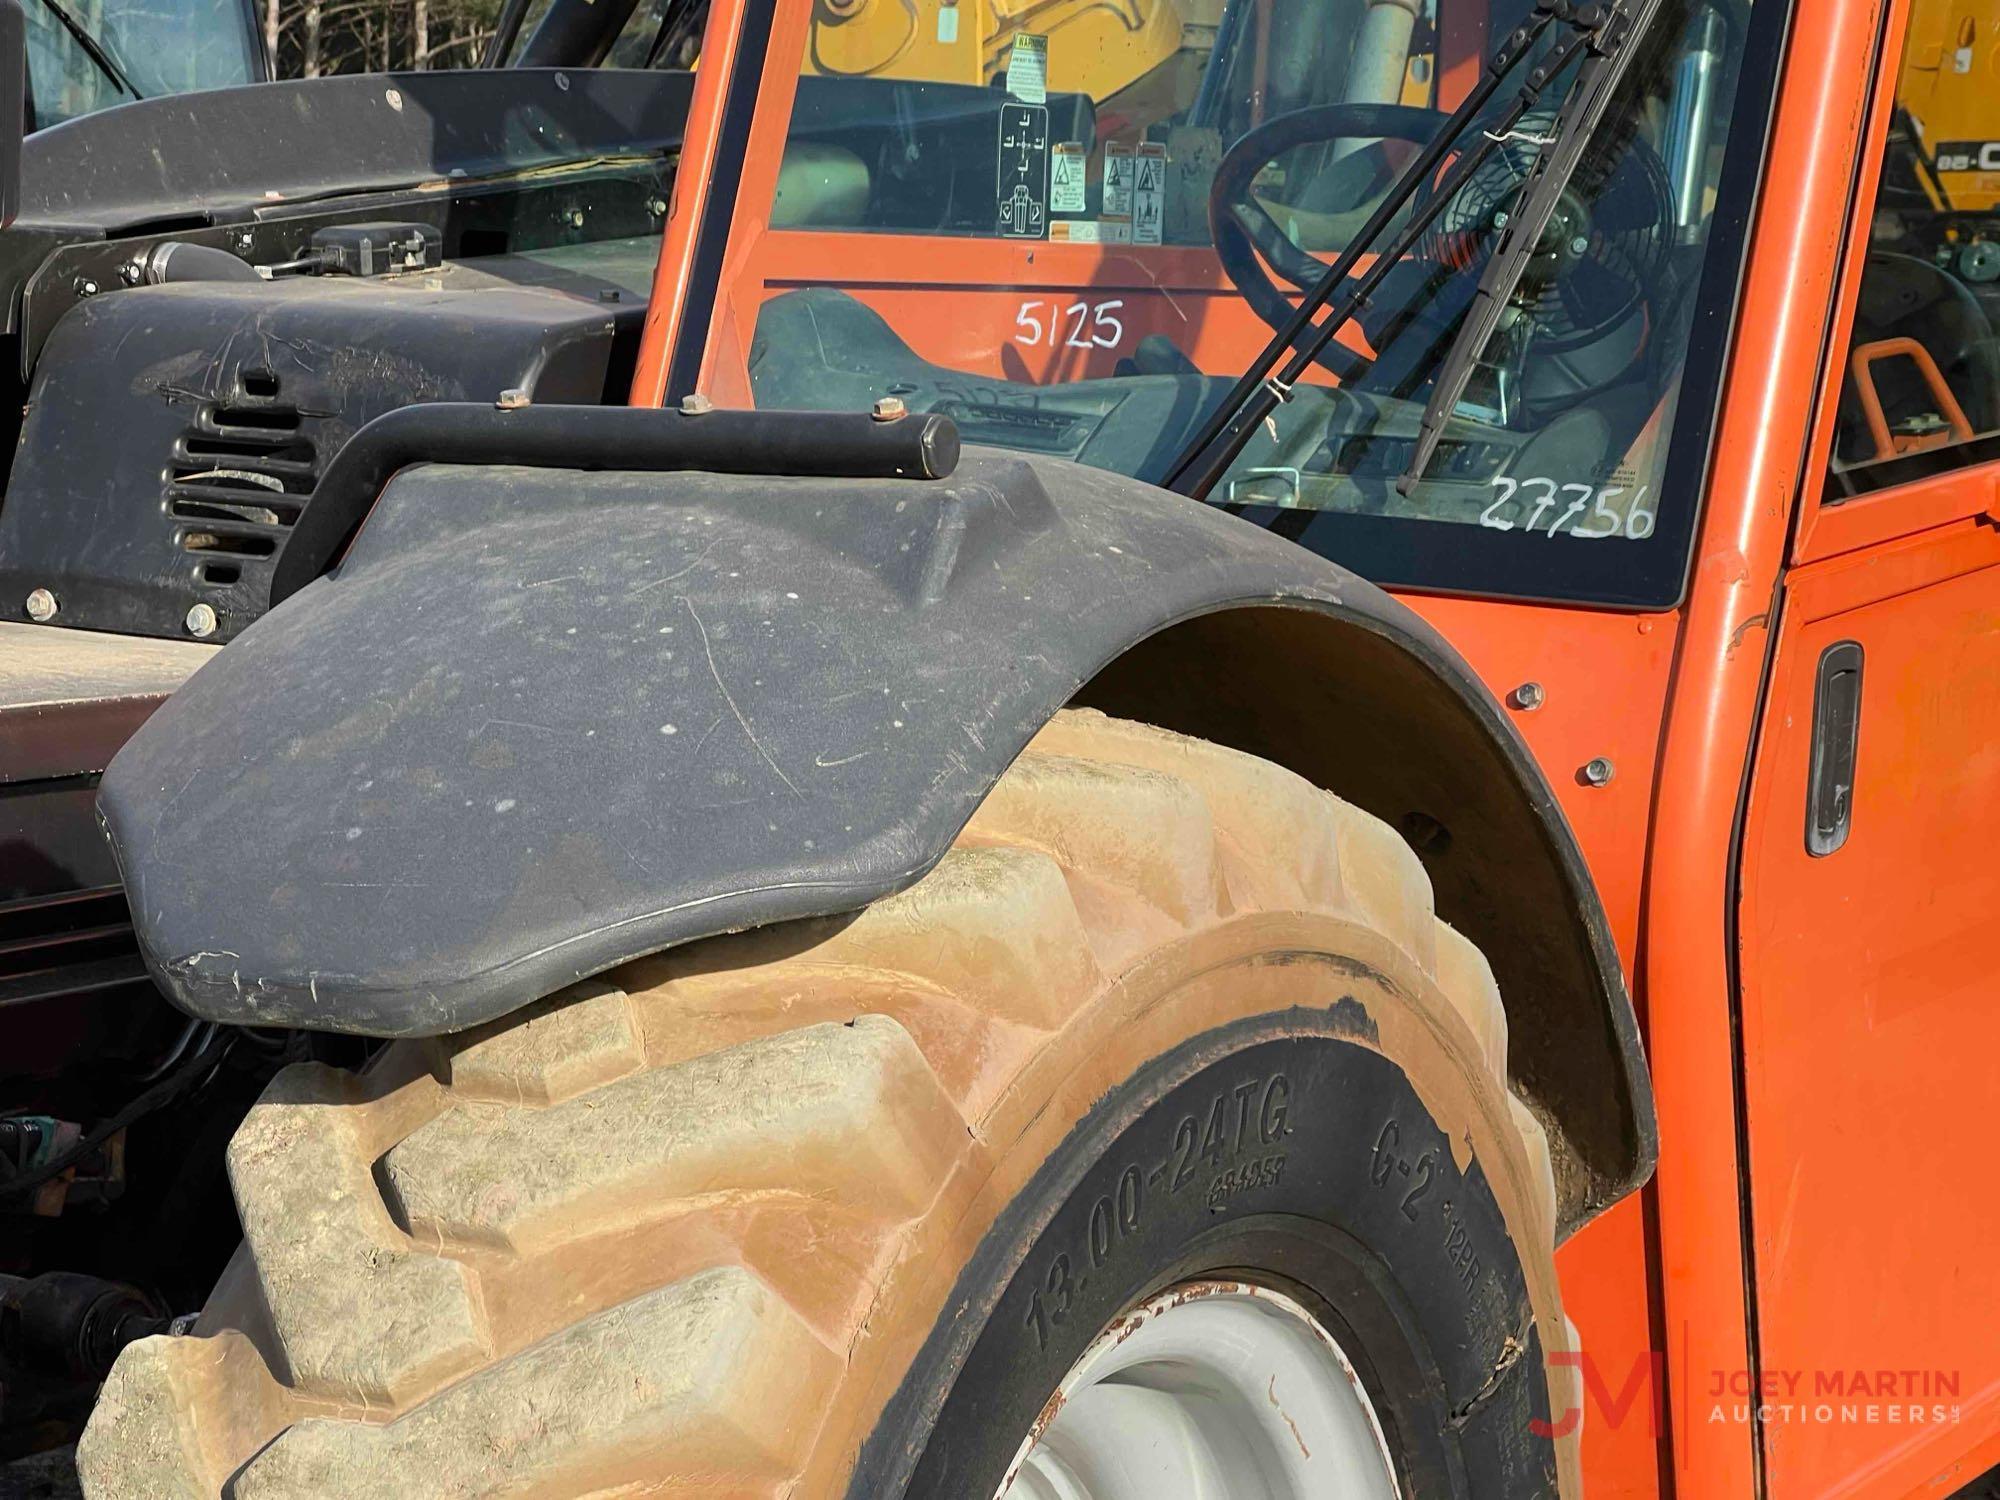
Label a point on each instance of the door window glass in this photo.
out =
(1921, 389)
(83, 58)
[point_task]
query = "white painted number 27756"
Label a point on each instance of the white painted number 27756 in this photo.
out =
(1584, 510)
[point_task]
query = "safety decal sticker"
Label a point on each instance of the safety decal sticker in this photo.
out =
(1028, 69)
(1091, 231)
(947, 23)
(1149, 193)
(1024, 171)
(1066, 179)
(1117, 181)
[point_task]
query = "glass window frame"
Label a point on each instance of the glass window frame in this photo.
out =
(1923, 495)
(1919, 475)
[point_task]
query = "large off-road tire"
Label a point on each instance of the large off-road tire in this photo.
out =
(831, 1209)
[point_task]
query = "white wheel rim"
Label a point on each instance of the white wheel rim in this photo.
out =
(1213, 1390)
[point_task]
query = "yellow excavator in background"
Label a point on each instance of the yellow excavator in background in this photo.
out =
(1133, 59)
(1950, 72)
(1095, 47)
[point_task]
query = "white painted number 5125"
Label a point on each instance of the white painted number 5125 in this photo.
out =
(1080, 325)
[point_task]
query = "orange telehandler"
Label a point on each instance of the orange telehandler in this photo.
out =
(1026, 751)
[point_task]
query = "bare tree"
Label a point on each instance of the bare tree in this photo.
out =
(311, 69)
(311, 38)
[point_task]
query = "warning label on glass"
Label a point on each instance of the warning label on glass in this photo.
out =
(1028, 69)
(1117, 181)
(1067, 187)
(1149, 193)
(1024, 171)
(1091, 231)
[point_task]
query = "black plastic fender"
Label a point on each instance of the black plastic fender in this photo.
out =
(543, 721)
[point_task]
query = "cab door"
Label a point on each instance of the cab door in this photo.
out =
(1869, 896)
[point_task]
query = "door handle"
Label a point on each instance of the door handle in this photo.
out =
(1836, 732)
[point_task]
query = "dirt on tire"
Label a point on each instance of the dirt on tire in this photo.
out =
(680, 1229)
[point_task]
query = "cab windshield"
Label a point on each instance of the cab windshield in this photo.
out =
(87, 55)
(1069, 224)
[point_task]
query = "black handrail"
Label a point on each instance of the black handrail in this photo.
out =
(819, 444)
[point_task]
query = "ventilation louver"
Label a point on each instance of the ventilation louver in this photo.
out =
(241, 474)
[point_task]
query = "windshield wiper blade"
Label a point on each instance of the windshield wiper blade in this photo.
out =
(93, 49)
(1258, 390)
(1612, 45)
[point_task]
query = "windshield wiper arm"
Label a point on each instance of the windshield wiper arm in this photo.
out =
(1258, 390)
(93, 49)
(1611, 47)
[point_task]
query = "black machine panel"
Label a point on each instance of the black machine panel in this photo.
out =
(174, 433)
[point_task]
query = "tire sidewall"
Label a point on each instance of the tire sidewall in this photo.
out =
(1285, 1149)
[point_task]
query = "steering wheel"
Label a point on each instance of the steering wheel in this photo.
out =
(1243, 228)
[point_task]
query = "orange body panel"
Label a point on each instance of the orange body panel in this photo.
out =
(1868, 994)
(1688, 978)
(1605, 678)
(692, 178)
(1607, 1281)
(1888, 514)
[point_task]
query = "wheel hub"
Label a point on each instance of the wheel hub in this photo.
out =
(1212, 1390)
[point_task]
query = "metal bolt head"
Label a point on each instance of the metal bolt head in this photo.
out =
(1578, 245)
(201, 622)
(1500, 220)
(513, 399)
(132, 272)
(1598, 772)
(890, 409)
(657, 207)
(85, 286)
(41, 606)
(695, 404)
(1528, 697)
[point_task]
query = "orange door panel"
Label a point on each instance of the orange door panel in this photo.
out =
(1871, 1025)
